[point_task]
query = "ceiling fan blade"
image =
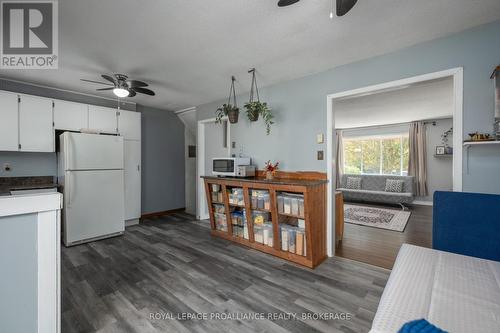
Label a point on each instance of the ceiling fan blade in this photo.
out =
(111, 88)
(284, 3)
(92, 81)
(109, 78)
(131, 93)
(344, 6)
(136, 83)
(143, 91)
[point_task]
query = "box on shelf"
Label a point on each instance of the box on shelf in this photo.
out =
(219, 209)
(236, 196)
(260, 217)
(220, 222)
(291, 204)
(293, 239)
(267, 230)
(239, 222)
(260, 199)
(258, 234)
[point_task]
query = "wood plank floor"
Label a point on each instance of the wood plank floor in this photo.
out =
(380, 247)
(172, 266)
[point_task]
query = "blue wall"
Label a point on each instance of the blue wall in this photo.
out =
(300, 105)
(163, 175)
(19, 279)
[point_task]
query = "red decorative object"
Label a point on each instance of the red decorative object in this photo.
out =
(271, 169)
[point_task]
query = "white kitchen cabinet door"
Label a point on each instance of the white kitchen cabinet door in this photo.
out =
(70, 116)
(103, 119)
(36, 131)
(132, 157)
(129, 125)
(9, 125)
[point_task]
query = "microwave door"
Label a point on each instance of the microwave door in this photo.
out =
(226, 165)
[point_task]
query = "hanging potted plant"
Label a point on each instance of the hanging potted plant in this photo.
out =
(254, 108)
(229, 110)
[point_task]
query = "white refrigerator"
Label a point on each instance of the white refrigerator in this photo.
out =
(91, 173)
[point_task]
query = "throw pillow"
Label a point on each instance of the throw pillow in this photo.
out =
(353, 183)
(394, 185)
(420, 325)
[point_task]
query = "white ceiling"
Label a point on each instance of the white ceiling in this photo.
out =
(188, 50)
(421, 101)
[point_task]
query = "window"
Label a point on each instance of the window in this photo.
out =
(383, 155)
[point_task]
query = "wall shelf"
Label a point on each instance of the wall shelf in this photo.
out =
(470, 144)
(475, 143)
(443, 155)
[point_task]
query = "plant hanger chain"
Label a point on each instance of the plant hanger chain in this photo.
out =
(232, 92)
(254, 89)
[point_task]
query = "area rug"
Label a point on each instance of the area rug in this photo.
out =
(390, 219)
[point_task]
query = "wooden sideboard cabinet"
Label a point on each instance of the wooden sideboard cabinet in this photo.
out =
(285, 217)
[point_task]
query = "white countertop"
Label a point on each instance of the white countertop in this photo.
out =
(29, 203)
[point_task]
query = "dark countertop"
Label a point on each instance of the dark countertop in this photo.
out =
(276, 181)
(8, 184)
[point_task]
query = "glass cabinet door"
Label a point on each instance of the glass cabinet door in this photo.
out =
(291, 218)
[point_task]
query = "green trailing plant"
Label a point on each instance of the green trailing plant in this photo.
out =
(230, 110)
(227, 110)
(255, 109)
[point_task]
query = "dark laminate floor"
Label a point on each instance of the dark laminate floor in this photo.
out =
(380, 247)
(172, 265)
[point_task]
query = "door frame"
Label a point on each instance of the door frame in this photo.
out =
(202, 214)
(455, 73)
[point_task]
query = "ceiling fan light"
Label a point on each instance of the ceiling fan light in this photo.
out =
(120, 92)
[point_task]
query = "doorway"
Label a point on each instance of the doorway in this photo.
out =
(214, 140)
(456, 75)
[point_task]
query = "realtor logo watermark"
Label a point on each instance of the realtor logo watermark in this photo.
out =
(29, 34)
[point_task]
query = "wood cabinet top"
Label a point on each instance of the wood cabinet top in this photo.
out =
(275, 181)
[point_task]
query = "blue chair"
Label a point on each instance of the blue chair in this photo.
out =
(467, 223)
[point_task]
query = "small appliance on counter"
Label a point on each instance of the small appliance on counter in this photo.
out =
(233, 167)
(90, 169)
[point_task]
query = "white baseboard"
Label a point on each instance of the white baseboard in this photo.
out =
(132, 222)
(422, 203)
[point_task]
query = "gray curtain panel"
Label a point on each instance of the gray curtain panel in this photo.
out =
(417, 165)
(339, 163)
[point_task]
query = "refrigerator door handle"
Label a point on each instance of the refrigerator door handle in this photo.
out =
(68, 186)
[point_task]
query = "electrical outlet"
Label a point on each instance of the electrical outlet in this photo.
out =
(320, 155)
(6, 167)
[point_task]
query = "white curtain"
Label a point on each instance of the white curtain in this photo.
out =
(339, 167)
(417, 165)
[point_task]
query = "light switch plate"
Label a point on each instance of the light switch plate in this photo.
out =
(320, 155)
(320, 138)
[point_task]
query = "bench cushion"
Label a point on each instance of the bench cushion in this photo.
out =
(457, 293)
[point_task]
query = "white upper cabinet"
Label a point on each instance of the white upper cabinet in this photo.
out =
(129, 125)
(70, 116)
(36, 131)
(132, 166)
(103, 119)
(9, 125)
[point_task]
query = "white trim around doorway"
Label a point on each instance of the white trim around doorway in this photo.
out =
(201, 213)
(455, 73)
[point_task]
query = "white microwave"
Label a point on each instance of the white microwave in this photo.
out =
(233, 167)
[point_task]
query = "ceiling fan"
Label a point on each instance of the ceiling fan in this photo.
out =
(343, 6)
(122, 86)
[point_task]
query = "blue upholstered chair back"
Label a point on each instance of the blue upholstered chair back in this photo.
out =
(467, 223)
